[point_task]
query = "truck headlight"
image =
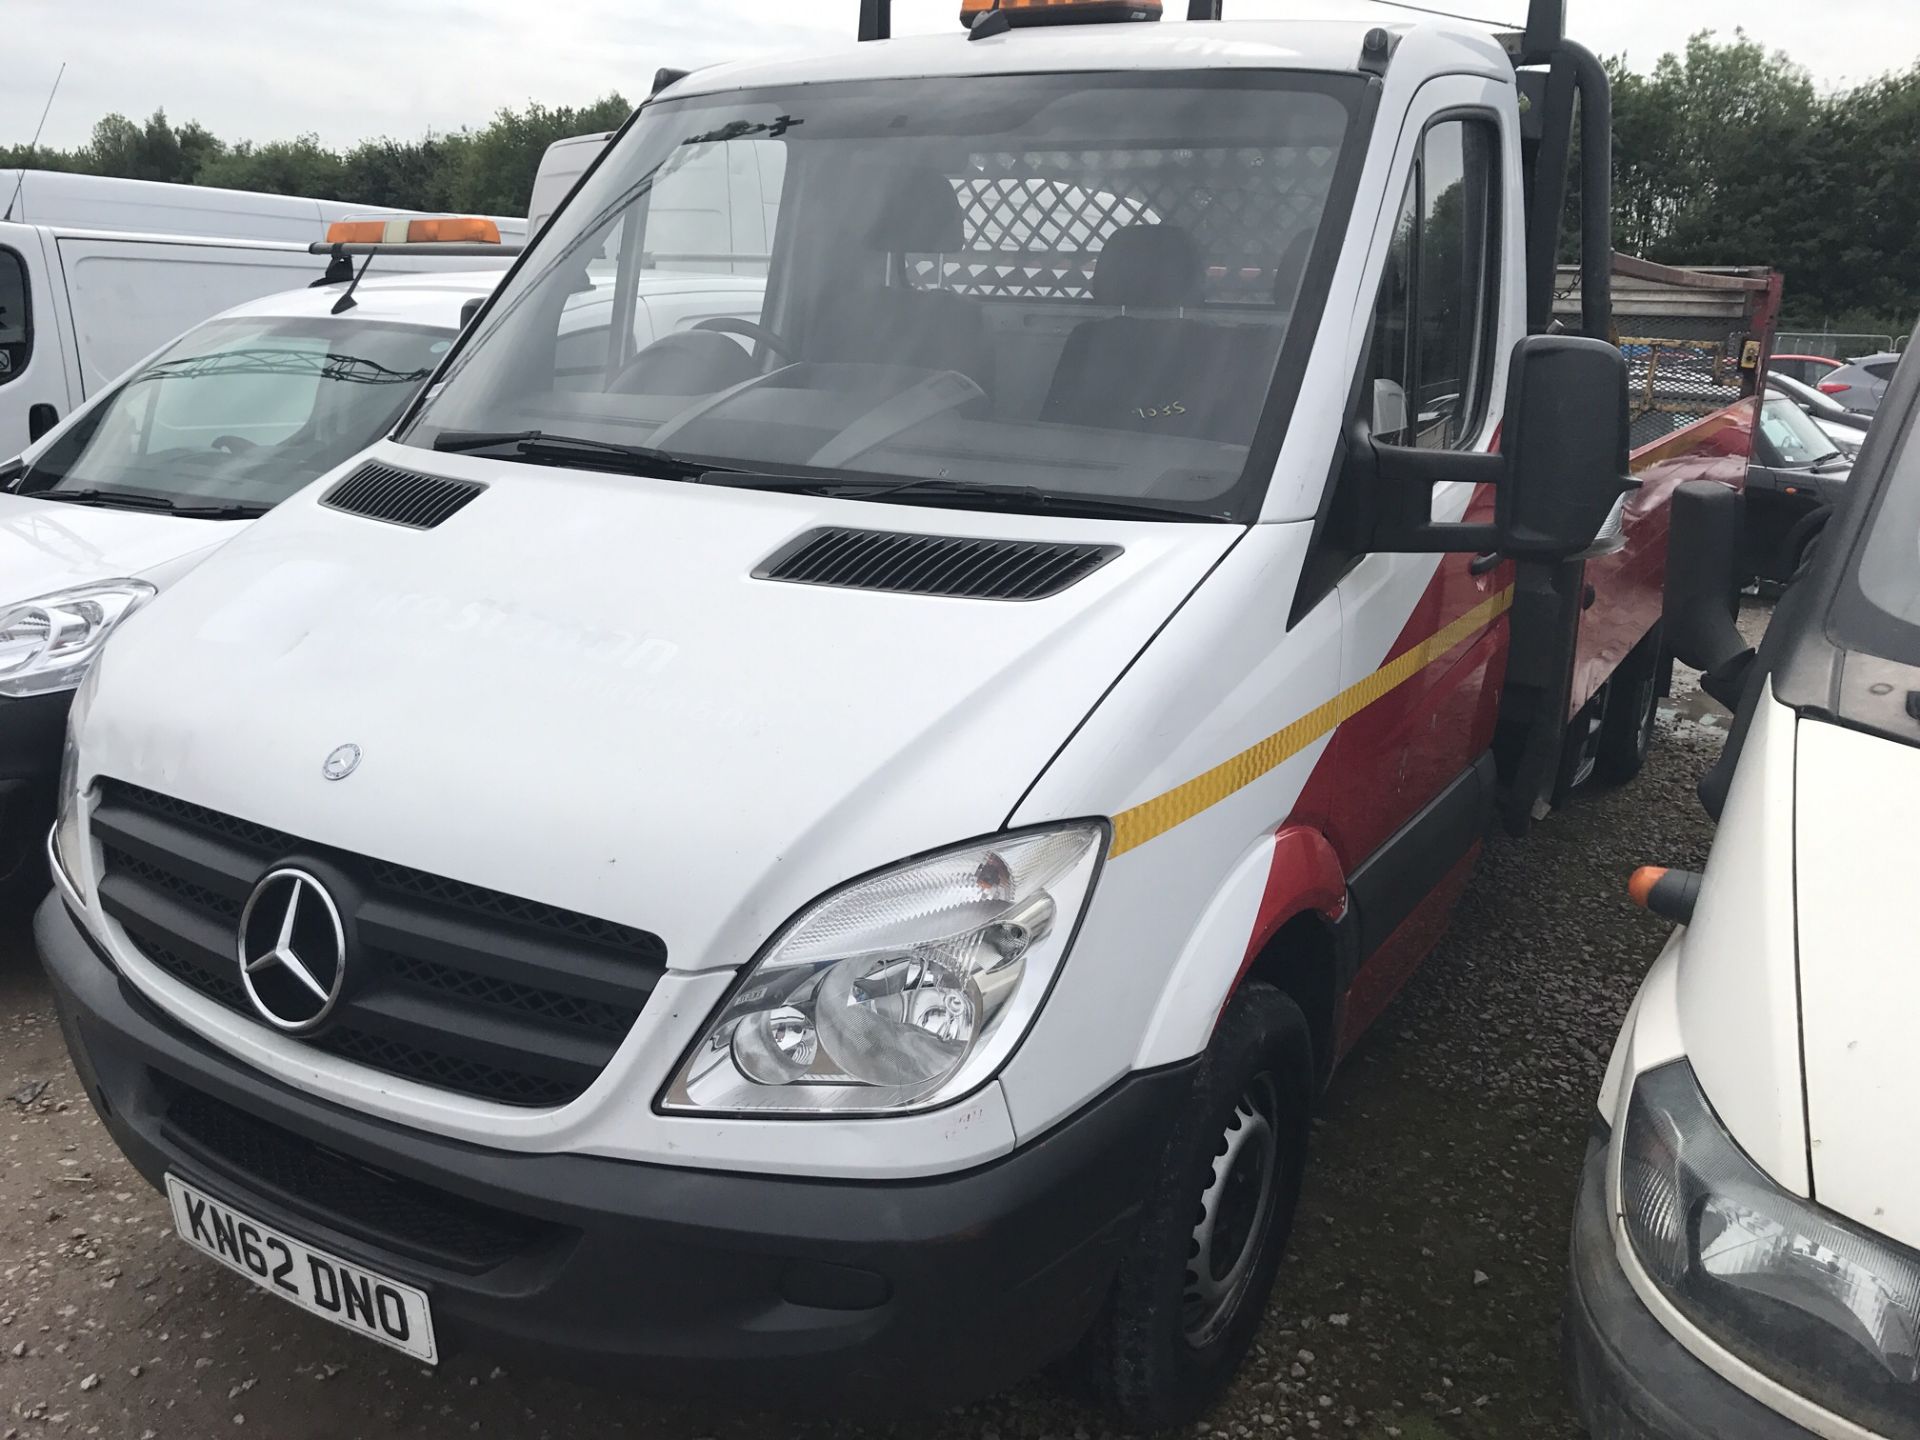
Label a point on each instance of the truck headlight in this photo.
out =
(1826, 1307)
(900, 991)
(47, 644)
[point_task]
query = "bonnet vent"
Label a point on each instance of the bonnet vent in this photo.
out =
(966, 567)
(400, 497)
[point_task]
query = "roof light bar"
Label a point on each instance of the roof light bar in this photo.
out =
(1060, 12)
(448, 230)
(876, 16)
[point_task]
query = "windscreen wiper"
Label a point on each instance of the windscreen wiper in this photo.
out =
(146, 500)
(581, 450)
(956, 493)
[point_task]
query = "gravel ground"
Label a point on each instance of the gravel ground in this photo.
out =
(1420, 1298)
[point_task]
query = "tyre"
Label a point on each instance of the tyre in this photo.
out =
(1626, 730)
(1580, 746)
(1193, 1285)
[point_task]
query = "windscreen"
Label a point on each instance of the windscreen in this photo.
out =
(243, 412)
(1045, 288)
(1794, 438)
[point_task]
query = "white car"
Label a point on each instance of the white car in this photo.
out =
(134, 488)
(1746, 1242)
(96, 271)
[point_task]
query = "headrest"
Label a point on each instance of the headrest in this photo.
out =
(915, 212)
(1157, 267)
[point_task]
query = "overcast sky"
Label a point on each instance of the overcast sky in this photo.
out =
(351, 69)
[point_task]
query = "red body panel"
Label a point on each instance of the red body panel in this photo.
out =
(1400, 954)
(1628, 584)
(1394, 756)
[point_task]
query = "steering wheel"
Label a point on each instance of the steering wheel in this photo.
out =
(233, 444)
(752, 330)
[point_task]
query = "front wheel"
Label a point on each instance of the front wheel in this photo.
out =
(1193, 1286)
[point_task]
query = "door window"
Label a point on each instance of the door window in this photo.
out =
(16, 318)
(1431, 364)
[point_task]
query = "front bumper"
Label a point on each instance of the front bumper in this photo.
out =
(32, 730)
(872, 1294)
(1631, 1379)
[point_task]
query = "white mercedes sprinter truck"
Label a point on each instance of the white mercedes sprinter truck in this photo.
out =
(837, 864)
(1746, 1244)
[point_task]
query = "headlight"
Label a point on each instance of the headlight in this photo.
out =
(902, 990)
(1826, 1307)
(46, 644)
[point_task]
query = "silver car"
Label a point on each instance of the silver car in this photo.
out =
(1861, 384)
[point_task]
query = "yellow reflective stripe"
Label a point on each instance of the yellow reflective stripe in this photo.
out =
(1160, 814)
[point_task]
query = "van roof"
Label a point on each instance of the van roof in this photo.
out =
(1312, 35)
(431, 298)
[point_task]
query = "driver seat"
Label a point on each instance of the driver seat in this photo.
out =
(1160, 373)
(915, 213)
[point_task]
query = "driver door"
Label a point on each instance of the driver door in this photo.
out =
(1415, 765)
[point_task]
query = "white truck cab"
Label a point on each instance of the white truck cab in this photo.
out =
(830, 851)
(1746, 1247)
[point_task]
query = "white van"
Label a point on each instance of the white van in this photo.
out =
(560, 170)
(837, 865)
(1746, 1243)
(96, 272)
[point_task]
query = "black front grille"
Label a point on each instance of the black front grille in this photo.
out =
(963, 567)
(449, 984)
(397, 1214)
(400, 497)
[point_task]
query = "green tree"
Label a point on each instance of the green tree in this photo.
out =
(498, 165)
(280, 167)
(417, 175)
(152, 151)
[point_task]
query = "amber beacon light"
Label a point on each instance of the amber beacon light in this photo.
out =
(453, 229)
(1060, 12)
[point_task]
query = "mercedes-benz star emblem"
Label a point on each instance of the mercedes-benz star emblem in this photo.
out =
(344, 760)
(293, 950)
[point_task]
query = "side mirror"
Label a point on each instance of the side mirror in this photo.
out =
(469, 308)
(1703, 545)
(1561, 468)
(40, 419)
(1565, 443)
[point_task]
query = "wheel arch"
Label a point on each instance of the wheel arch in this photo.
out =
(1281, 916)
(1302, 961)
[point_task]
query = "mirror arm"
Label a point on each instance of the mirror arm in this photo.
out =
(1402, 481)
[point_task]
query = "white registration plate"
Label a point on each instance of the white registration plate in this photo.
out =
(366, 1303)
